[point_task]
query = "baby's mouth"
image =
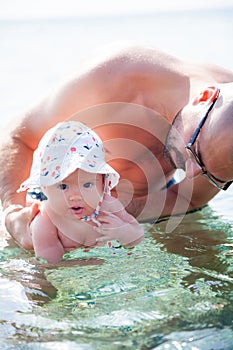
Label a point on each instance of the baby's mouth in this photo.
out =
(77, 210)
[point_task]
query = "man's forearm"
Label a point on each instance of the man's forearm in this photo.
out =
(15, 162)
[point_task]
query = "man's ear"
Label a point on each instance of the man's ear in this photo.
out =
(207, 95)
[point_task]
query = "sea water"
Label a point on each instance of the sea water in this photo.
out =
(173, 291)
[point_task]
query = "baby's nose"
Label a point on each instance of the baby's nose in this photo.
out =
(75, 195)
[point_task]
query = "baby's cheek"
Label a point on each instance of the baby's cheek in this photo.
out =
(58, 206)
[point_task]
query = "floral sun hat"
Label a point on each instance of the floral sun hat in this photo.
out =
(64, 148)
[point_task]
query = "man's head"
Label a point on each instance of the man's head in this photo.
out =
(200, 140)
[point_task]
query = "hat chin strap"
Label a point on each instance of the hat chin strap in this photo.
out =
(93, 217)
(95, 214)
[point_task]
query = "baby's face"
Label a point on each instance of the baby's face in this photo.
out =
(76, 196)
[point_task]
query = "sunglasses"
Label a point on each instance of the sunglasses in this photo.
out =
(219, 184)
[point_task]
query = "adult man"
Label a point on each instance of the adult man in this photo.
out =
(135, 94)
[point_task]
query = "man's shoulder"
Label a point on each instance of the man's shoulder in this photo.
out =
(130, 58)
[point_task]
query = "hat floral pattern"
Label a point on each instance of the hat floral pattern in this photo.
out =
(66, 147)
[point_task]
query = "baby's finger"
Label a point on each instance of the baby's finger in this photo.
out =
(103, 219)
(97, 229)
(101, 230)
(99, 243)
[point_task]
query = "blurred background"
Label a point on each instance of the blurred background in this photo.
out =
(43, 42)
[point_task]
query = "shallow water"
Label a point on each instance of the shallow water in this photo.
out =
(173, 291)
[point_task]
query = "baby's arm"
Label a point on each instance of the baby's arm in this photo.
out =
(117, 224)
(45, 239)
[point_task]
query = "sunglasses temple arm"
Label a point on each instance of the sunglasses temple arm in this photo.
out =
(198, 129)
(193, 138)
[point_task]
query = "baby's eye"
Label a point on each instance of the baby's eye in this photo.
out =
(88, 185)
(62, 187)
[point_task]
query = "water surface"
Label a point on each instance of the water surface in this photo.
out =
(172, 287)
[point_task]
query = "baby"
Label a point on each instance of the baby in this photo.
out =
(77, 211)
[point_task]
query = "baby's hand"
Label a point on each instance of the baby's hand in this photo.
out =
(114, 228)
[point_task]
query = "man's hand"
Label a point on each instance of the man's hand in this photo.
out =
(17, 224)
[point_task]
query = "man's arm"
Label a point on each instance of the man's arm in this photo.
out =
(15, 162)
